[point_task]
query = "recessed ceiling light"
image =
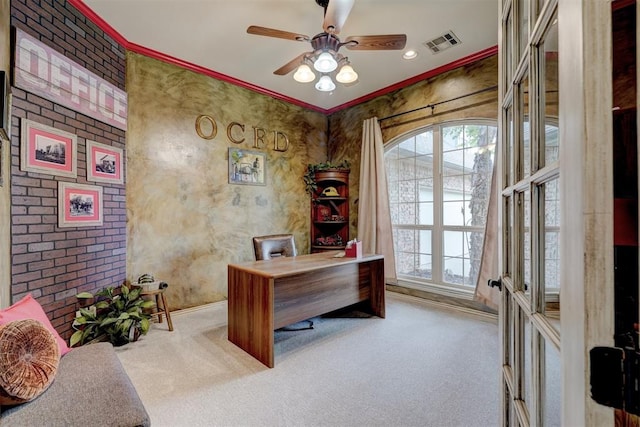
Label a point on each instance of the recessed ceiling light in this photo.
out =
(410, 54)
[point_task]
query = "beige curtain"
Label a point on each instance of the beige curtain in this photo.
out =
(489, 261)
(374, 219)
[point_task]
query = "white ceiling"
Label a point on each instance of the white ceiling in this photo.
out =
(212, 34)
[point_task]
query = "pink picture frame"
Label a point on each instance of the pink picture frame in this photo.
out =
(79, 205)
(104, 163)
(45, 149)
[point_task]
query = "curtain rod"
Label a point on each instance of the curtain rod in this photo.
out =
(432, 106)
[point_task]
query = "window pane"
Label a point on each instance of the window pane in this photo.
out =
(425, 213)
(424, 143)
(394, 191)
(408, 191)
(453, 162)
(407, 213)
(405, 240)
(425, 190)
(413, 257)
(424, 167)
(452, 138)
(424, 255)
(453, 187)
(405, 263)
(394, 209)
(453, 244)
(407, 148)
(425, 241)
(453, 213)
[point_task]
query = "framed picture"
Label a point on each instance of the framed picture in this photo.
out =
(45, 149)
(247, 167)
(79, 205)
(104, 163)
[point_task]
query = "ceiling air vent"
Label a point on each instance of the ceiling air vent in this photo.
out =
(443, 42)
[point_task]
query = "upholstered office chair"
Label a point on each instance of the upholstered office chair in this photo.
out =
(275, 245)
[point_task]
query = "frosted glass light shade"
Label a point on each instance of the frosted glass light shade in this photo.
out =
(304, 74)
(325, 63)
(347, 75)
(325, 84)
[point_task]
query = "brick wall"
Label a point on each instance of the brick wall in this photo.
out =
(52, 263)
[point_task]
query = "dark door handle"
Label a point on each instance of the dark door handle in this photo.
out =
(495, 284)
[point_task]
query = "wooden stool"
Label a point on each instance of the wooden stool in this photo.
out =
(159, 296)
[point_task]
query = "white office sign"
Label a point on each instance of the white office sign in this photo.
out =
(49, 74)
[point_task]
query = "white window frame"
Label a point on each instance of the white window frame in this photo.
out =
(436, 284)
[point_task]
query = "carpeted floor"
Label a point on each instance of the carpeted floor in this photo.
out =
(421, 366)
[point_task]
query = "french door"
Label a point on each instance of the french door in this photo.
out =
(555, 213)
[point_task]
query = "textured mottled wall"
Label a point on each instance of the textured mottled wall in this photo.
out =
(185, 221)
(346, 126)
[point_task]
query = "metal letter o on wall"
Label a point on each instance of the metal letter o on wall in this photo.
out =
(214, 127)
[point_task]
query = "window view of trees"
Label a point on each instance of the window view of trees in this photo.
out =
(439, 181)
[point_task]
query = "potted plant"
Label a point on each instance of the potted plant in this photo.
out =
(117, 316)
(310, 176)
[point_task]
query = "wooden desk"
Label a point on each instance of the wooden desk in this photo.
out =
(267, 295)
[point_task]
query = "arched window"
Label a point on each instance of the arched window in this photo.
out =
(439, 181)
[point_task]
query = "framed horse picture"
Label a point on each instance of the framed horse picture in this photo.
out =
(247, 167)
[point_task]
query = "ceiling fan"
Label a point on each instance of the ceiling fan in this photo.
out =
(324, 57)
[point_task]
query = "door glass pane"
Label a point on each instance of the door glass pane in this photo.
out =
(507, 219)
(551, 392)
(549, 58)
(523, 25)
(508, 47)
(526, 129)
(508, 158)
(526, 201)
(527, 386)
(551, 264)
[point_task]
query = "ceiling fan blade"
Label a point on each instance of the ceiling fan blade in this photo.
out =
(270, 32)
(336, 15)
(381, 42)
(291, 65)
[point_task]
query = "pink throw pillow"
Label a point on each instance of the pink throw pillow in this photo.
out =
(29, 308)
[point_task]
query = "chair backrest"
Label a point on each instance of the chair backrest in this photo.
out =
(275, 245)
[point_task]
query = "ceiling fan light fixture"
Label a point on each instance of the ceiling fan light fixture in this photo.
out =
(325, 63)
(304, 74)
(347, 74)
(325, 84)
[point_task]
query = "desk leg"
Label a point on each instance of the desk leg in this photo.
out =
(251, 314)
(377, 296)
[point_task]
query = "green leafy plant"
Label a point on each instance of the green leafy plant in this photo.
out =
(310, 175)
(117, 316)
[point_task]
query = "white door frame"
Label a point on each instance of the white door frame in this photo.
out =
(586, 182)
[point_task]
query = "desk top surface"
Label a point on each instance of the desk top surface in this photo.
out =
(286, 266)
